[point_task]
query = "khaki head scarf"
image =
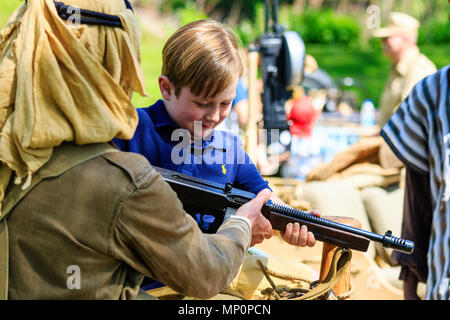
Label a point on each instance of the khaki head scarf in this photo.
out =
(60, 81)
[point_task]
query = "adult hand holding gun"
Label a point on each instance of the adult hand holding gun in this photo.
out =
(261, 227)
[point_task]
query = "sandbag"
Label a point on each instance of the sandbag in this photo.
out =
(336, 199)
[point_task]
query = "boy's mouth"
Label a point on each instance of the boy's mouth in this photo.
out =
(207, 126)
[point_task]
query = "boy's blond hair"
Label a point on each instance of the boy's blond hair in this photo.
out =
(204, 56)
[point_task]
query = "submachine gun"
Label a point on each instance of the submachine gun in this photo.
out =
(220, 201)
(282, 64)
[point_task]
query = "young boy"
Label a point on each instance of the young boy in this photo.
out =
(200, 73)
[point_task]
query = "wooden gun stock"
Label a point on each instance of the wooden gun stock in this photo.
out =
(321, 233)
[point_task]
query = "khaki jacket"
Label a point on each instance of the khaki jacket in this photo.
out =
(412, 68)
(95, 230)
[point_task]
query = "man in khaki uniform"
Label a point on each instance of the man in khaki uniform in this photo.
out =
(409, 65)
(78, 218)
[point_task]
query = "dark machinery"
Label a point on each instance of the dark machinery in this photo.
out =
(283, 55)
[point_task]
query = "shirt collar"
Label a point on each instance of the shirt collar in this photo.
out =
(217, 140)
(162, 117)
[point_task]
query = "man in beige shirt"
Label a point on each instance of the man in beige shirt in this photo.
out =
(409, 65)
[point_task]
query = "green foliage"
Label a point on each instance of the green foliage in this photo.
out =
(186, 11)
(325, 27)
(435, 30)
(317, 27)
(368, 66)
(189, 13)
(249, 30)
(172, 6)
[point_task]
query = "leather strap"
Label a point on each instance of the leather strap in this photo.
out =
(339, 265)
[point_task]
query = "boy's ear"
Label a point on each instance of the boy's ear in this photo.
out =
(166, 87)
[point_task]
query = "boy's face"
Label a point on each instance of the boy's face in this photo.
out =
(187, 108)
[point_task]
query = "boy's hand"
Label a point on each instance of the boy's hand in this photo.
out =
(261, 227)
(297, 235)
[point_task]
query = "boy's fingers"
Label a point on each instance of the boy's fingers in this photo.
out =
(315, 212)
(303, 236)
(311, 241)
(294, 240)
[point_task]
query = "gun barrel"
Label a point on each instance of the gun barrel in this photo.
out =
(388, 240)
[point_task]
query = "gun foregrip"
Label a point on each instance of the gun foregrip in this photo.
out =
(321, 232)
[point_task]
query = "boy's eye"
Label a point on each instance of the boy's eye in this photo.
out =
(208, 105)
(202, 105)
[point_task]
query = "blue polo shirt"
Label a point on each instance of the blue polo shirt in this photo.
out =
(219, 157)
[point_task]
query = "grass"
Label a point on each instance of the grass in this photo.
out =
(6, 8)
(151, 62)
